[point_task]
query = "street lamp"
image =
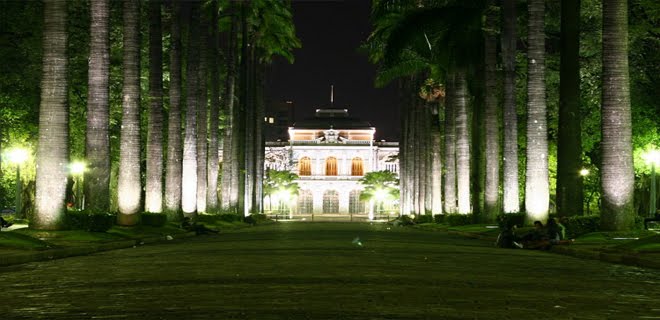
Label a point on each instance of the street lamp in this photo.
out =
(17, 156)
(653, 158)
(77, 170)
(584, 172)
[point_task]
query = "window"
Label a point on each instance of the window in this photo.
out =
(330, 201)
(305, 167)
(354, 203)
(305, 201)
(356, 167)
(331, 166)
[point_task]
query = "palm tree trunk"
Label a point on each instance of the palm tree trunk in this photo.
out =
(174, 149)
(240, 142)
(511, 199)
(259, 136)
(436, 162)
(189, 173)
(97, 139)
(229, 189)
(492, 174)
(202, 115)
(462, 144)
(153, 201)
(617, 173)
(570, 195)
(450, 148)
(214, 72)
(403, 147)
(128, 184)
(537, 193)
(53, 148)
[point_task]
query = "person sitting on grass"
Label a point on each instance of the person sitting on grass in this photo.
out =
(537, 238)
(190, 225)
(556, 232)
(4, 223)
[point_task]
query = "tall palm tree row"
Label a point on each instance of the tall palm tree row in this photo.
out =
(190, 172)
(411, 38)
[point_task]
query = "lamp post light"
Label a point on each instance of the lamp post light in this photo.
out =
(17, 156)
(652, 157)
(584, 172)
(77, 169)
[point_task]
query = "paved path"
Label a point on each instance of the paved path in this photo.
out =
(320, 271)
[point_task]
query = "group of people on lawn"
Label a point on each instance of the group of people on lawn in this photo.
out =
(541, 237)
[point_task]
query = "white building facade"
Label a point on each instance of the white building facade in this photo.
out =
(330, 153)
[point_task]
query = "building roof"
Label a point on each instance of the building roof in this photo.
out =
(337, 119)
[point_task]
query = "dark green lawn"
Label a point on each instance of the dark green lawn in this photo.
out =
(317, 271)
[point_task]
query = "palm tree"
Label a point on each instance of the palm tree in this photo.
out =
(202, 112)
(569, 147)
(462, 143)
(537, 193)
(189, 172)
(450, 150)
(53, 150)
(154, 186)
(97, 139)
(174, 149)
(492, 183)
(379, 187)
(229, 183)
(281, 184)
(214, 73)
(509, 38)
(617, 174)
(129, 154)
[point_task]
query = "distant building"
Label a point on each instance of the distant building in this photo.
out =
(330, 152)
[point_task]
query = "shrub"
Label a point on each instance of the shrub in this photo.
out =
(154, 219)
(425, 218)
(256, 218)
(84, 220)
(455, 219)
(439, 218)
(229, 217)
(403, 220)
(579, 225)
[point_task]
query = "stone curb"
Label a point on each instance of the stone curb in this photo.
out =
(59, 253)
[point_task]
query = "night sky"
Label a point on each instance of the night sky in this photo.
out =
(331, 32)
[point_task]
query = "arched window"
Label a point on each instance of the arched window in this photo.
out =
(305, 201)
(331, 166)
(356, 167)
(305, 166)
(354, 203)
(330, 201)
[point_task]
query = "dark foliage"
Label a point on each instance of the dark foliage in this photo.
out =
(423, 218)
(88, 221)
(153, 219)
(579, 225)
(255, 219)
